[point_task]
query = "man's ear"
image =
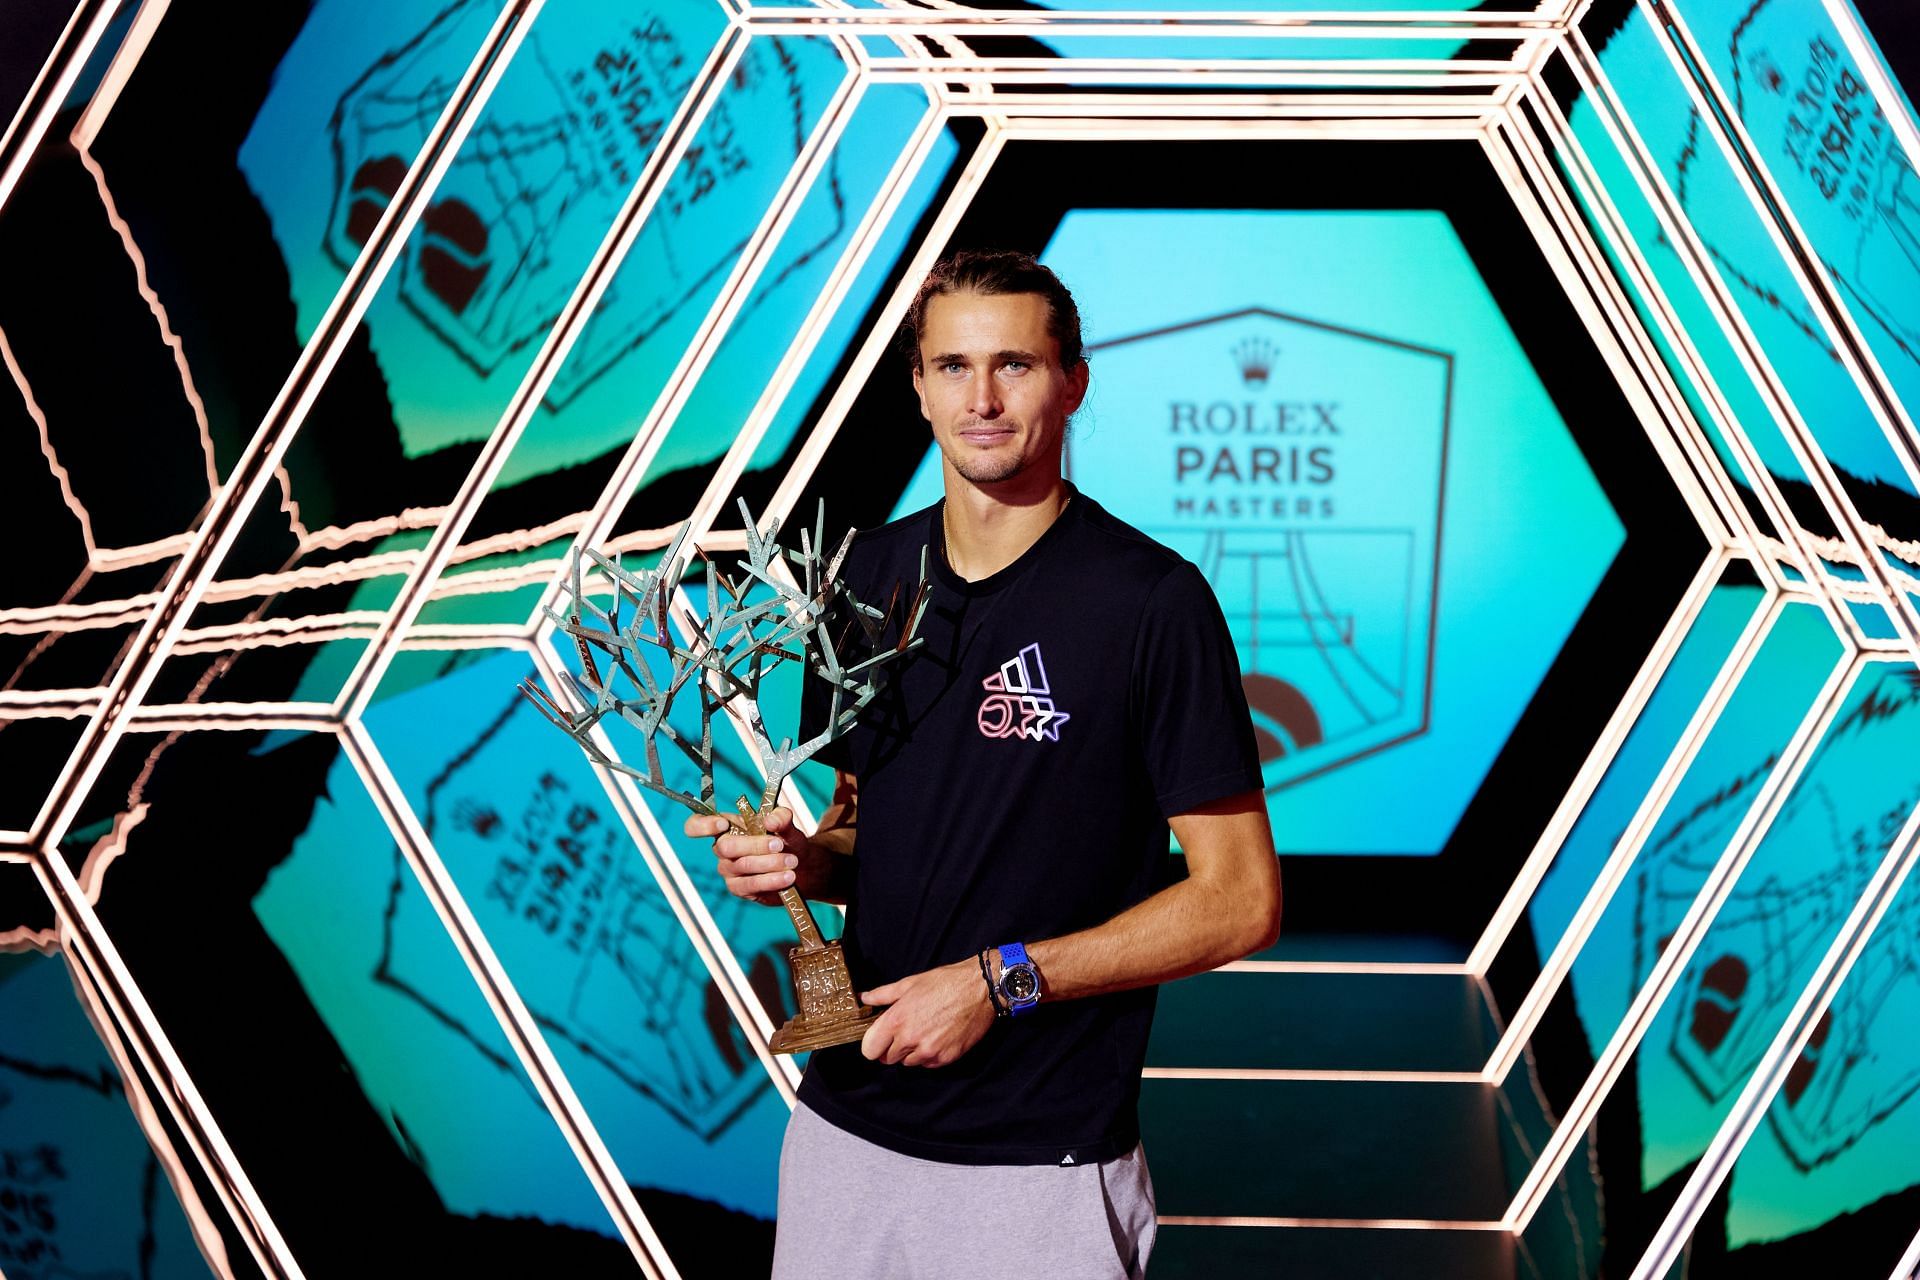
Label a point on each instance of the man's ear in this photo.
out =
(920, 390)
(1077, 385)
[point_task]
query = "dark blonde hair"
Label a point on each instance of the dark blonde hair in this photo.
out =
(992, 272)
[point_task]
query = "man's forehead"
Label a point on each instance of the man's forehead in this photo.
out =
(987, 322)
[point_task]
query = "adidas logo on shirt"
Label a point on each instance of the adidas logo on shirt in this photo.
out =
(1018, 704)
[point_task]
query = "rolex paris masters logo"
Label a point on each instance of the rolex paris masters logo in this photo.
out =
(1018, 704)
(1299, 465)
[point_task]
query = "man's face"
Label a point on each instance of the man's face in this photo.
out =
(991, 384)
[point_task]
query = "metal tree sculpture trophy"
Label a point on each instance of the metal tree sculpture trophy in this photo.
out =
(728, 656)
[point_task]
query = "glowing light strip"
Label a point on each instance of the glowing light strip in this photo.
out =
(158, 717)
(707, 339)
(132, 48)
(1337, 1224)
(1579, 171)
(59, 472)
(1169, 106)
(264, 630)
(529, 1045)
(1652, 184)
(158, 311)
(1600, 758)
(269, 443)
(108, 848)
(1069, 25)
(1477, 24)
(1309, 1074)
(1796, 248)
(206, 1233)
(1909, 1264)
(332, 538)
(879, 338)
(1781, 1055)
(1706, 277)
(1359, 130)
(1386, 72)
(682, 898)
(1704, 91)
(641, 200)
(1626, 849)
(1667, 968)
(59, 706)
(81, 36)
(34, 619)
(111, 559)
(1879, 82)
(86, 942)
(1688, 456)
(1584, 278)
(865, 235)
(72, 704)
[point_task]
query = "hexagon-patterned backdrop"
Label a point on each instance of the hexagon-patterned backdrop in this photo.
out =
(1533, 380)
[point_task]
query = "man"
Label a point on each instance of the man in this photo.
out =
(999, 833)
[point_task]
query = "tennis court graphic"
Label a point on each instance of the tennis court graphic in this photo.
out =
(1330, 671)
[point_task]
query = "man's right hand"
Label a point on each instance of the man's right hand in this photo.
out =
(758, 867)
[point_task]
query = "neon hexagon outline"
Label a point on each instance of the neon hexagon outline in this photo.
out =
(1497, 119)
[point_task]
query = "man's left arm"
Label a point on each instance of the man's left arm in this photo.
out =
(1227, 907)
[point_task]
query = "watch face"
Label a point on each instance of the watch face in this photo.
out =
(1020, 983)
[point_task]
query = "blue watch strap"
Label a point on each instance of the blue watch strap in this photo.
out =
(1012, 954)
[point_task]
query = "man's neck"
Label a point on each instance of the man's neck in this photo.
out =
(988, 530)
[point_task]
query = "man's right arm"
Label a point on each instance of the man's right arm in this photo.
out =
(758, 867)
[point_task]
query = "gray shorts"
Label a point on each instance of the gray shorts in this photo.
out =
(850, 1210)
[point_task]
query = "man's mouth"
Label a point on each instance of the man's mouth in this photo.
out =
(985, 435)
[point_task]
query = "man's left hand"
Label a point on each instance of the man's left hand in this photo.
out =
(932, 1018)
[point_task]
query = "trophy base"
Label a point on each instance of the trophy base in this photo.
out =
(830, 1010)
(803, 1033)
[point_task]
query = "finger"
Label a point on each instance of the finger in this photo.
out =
(885, 994)
(874, 1044)
(758, 864)
(740, 846)
(747, 886)
(705, 824)
(777, 819)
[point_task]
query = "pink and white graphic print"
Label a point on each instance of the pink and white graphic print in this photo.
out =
(1017, 703)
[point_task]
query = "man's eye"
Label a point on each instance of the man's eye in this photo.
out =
(951, 366)
(1015, 366)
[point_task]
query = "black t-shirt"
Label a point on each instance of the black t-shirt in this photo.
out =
(1016, 773)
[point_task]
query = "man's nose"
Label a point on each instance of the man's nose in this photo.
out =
(983, 397)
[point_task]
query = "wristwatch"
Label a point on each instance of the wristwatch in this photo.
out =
(1019, 979)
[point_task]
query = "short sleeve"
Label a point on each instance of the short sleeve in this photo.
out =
(1189, 704)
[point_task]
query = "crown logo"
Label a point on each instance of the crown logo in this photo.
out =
(1255, 357)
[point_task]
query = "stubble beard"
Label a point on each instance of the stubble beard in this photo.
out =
(988, 470)
(991, 468)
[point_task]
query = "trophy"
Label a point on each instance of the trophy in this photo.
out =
(728, 654)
